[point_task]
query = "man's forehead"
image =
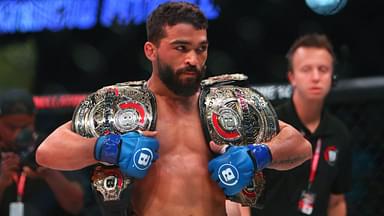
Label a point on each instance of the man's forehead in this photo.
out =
(186, 31)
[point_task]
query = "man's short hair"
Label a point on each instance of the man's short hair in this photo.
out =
(315, 40)
(16, 101)
(170, 14)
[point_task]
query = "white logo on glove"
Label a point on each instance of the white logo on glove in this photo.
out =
(142, 158)
(228, 174)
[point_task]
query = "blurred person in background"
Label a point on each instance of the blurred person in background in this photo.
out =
(318, 186)
(43, 191)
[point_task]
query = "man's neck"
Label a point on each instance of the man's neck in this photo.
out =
(161, 91)
(308, 111)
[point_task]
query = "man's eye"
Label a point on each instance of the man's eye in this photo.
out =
(324, 69)
(202, 49)
(181, 48)
(306, 69)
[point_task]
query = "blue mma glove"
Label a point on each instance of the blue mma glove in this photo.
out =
(236, 168)
(132, 152)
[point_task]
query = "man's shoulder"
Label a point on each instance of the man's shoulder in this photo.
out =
(337, 124)
(284, 110)
(283, 106)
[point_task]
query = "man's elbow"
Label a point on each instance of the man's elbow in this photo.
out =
(42, 156)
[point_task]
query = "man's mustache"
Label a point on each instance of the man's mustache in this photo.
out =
(189, 69)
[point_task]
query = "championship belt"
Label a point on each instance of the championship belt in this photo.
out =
(114, 109)
(236, 115)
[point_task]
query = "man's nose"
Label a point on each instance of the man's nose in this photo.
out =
(315, 74)
(191, 58)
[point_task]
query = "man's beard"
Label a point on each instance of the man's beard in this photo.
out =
(186, 87)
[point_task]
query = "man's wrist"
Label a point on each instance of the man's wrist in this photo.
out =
(261, 154)
(107, 148)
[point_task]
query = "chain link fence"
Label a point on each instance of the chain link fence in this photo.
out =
(364, 120)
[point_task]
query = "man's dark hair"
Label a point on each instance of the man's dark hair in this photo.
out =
(16, 101)
(170, 14)
(310, 40)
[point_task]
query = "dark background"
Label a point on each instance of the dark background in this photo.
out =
(250, 36)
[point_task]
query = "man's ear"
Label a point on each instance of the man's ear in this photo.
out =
(291, 78)
(150, 51)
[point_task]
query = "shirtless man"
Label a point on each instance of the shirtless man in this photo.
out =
(179, 182)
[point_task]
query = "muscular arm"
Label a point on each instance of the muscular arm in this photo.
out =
(288, 148)
(337, 205)
(65, 150)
